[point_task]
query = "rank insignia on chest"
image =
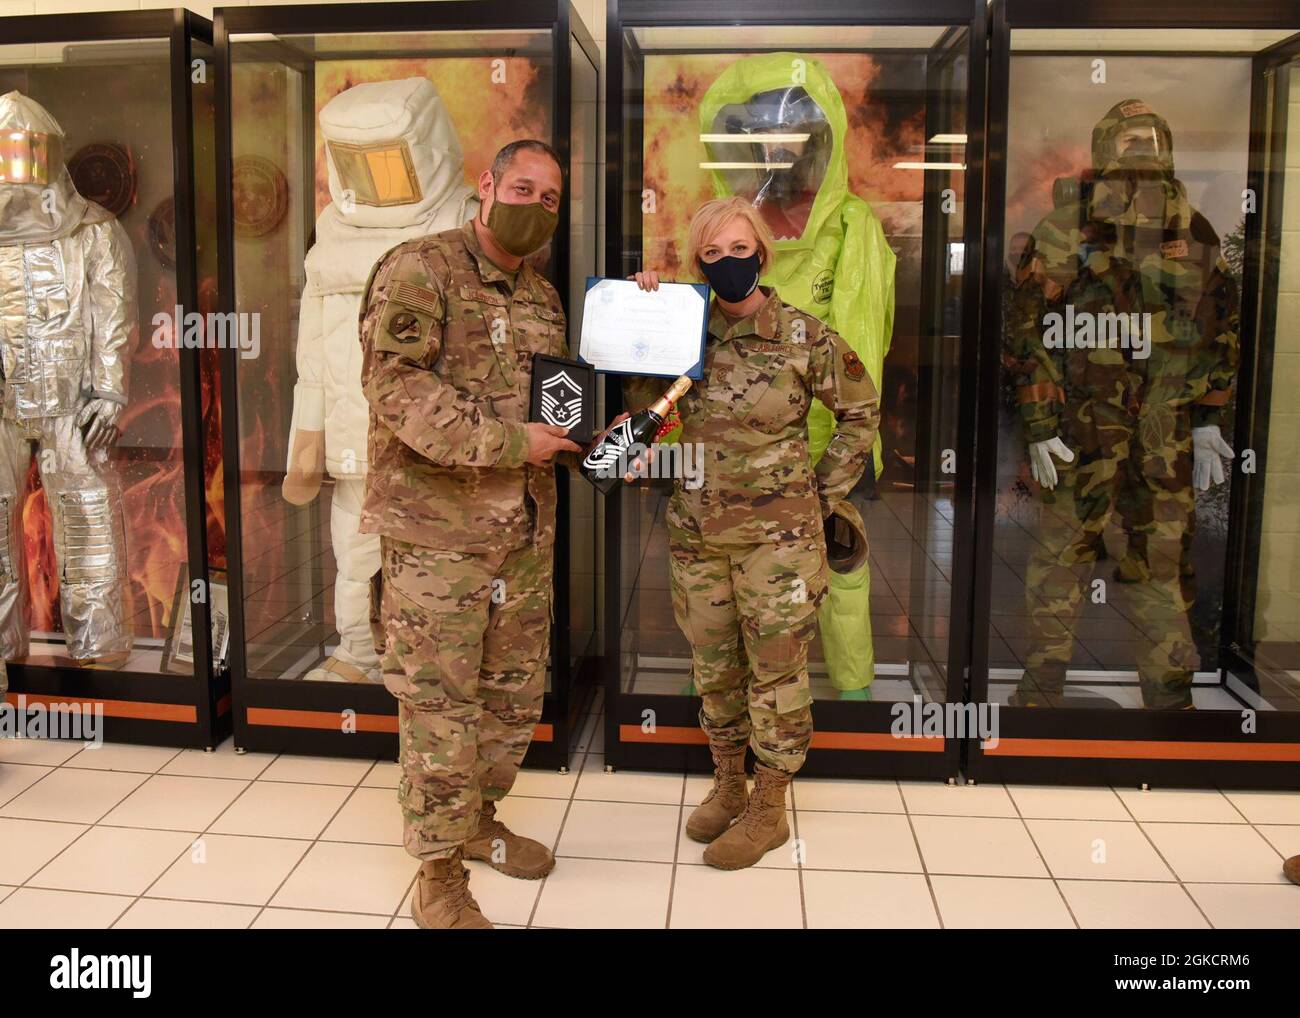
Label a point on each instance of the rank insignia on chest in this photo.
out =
(404, 327)
(853, 366)
(1174, 248)
(564, 394)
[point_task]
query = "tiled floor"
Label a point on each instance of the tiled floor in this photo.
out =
(129, 836)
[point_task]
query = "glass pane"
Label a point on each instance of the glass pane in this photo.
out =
(1121, 312)
(586, 510)
(873, 132)
(306, 569)
(99, 543)
(1268, 630)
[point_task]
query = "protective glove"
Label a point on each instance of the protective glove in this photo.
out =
(98, 418)
(1040, 460)
(1208, 450)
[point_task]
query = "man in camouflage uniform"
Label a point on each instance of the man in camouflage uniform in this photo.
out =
(1140, 427)
(748, 551)
(462, 491)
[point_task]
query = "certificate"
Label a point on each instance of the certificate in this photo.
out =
(630, 331)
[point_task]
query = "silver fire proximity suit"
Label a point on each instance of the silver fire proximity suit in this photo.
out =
(67, 310)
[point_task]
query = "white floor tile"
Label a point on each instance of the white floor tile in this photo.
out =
(1097, 850)
(843, 900)
(1267, 807)
(303, 919)
(30, 844)
(545, 784)
(599, 894)
(377, 878)
(1179, 805)
(156, 914)
(1000, 903)
(1127, 905)
(73, 796)
(839, 796)
(858, 841)
(705, 898)
(113, 860)
(17, 778)
(384, 774)
(172, 802)
(1241, 906)
(37, 909)
(619, 830)
(933, 798)
(276, 810)
(991, 846)
(1210, 853)
(317, 770)
(46, 752)
(1048, 802)
(1283, 837)
(226, 868)
(628, 786)
(403, 923)
(223, 762)
(370, 815)
(123, 757)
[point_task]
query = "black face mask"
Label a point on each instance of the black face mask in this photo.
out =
(733, 279)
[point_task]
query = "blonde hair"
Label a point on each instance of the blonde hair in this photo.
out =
(714, 215)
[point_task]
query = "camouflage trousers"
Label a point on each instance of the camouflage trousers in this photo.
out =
(465, 643)
(1145, 487)
(750, 612)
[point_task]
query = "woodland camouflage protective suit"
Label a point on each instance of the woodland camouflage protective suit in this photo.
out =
(1127, 418)
(832, 262)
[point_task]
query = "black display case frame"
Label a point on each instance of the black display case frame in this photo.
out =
(276, 715)
(850, 738)
(153, 708)
(1138, 747)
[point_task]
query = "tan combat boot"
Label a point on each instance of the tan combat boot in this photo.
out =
(505, 851)
(761, 827)
(442, 899)
(726, 799)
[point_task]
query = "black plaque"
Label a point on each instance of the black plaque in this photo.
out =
(564, 394)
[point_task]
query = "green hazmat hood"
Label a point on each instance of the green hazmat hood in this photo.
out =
(779, 121)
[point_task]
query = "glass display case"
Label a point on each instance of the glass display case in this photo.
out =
(1136, 578)
(111, 521)
(307, 89)
(881, 113)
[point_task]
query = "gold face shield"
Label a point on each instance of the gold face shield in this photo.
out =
(29, 157)
(377, 174)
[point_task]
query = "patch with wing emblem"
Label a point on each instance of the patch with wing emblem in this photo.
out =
(853, 366)
(404, 327)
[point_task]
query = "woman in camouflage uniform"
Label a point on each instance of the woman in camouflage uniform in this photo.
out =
(749, 553)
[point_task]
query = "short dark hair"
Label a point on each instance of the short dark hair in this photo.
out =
(501, 162)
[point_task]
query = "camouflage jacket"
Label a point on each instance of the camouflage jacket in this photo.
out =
(1098, 257)
(748, 418)
(446, 369)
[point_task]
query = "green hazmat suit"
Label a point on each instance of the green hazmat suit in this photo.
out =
(832, 261)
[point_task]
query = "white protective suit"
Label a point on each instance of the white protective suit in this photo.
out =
(395, 174)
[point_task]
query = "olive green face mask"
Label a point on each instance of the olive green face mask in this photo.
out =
(521, 229)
